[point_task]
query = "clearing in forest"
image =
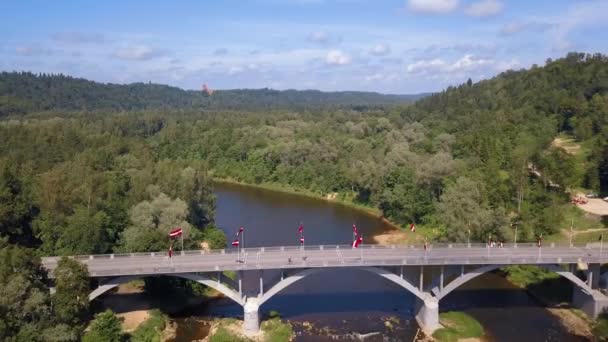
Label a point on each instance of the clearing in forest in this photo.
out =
(567, 143)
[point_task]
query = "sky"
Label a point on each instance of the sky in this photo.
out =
(389, 46)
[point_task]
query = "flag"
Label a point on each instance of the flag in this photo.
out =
(235, 243)
(241, 229)
(301, 228)
(358, 241)
(355, 231)
(412, 227)
(176, 232)
(302, 239)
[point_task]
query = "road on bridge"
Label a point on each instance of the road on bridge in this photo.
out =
(330, 256)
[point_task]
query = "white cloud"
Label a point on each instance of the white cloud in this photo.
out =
(323, 38)
(508, 65)
(33, 50)
(424, 66)
(73, 37)
(437, 65)
(380, 50)
(512, 28)
(235, 70)
(432, 6)
(138, 53)
(379, 77)
(337, 57)
(220, 52)
(319, 37)
(485, 8)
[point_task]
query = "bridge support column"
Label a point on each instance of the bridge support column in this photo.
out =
(252, 316)
(427, 313)
(593, 276)
(592, 304)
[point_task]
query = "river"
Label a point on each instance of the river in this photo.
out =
(335, 304)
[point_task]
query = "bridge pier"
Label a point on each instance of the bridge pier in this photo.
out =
(427, 313)
(251, 315)
(592, 304)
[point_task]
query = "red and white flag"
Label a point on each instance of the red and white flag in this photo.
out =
(302, 239)
(355, 231)
(301, 228)
(241, 229)
(358, 241)
(412, 227)
(235, 243)
(176, 232)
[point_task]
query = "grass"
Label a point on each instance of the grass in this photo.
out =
(575, 217)
(150, 330)
(223, 335)
(274, 329)
(457, 325)
(600, 328)
(547, 286)
(524, 276)
(277, 330)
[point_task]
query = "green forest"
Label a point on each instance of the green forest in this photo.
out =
(25, 92)
(98, 168)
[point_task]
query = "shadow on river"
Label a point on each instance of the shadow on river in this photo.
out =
(335, 304)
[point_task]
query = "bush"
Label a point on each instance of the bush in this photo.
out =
(151, 329)
(215, 237)
(277, 331)
(222, 335)
(458, 325)
(106, 327)
(600, 328)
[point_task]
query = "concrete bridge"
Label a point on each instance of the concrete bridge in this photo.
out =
(429, 274)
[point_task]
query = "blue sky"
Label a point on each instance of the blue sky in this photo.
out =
(390, 46)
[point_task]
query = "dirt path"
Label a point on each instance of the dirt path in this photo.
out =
(129, 304)
(398, 237)
(566, 232)
(595, 206)
(569, 145)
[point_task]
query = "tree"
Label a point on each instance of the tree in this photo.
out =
(106, 327)
(71, 299)
(16, 205)
(25, 311)
(84, 233)
(462, 210)
(151, 223)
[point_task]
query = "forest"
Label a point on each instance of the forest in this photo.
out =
(91, 168)
(25, 92)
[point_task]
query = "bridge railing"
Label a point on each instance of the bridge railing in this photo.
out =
(593, 247)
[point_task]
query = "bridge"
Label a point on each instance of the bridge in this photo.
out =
(429, 274)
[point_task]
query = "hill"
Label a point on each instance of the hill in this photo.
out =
(24, 92)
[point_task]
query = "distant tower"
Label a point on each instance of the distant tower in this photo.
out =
(207, 90)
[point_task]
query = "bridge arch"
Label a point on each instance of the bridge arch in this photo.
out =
(286, 282)
(201, 279)
(462, 279)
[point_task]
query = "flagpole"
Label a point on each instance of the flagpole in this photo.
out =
(601, 245)
(182, 236)
(361, 249)
(571, 232)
